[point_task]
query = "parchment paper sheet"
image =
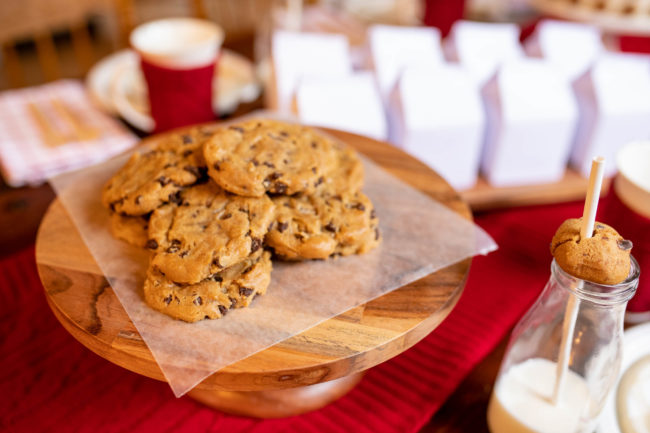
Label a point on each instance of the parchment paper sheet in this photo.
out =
(420, 237)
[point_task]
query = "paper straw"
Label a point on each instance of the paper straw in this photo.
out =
(573, 304)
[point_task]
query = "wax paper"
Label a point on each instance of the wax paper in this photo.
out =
(420, 236)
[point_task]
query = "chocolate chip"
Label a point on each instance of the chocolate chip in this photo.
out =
(168, 299)
(186, 139)
(280, 187)
(284, 133)
(255, 162)
(330, 227)
(600, 226)
(275, 175)
(216, 263)
(313, 170)
(285, 161)
(198, 301)
(237, 128)
(245, 291)
(223, 310)
(256, 243)
(206, 317)
(216, 166)
(269, 164)
(196, 171)
(218, 278)
(624, 244)
(175, 197)
(373, 214)
(173, 249)
(225, 216)
(116, 203)
(314, 144)
(152, 244)
(337, 197)
(299, 236)
(162, 180)
(183, 254)
(233, 302)
(358, 206)
(137, 199)
(319, 181)
(282, 226)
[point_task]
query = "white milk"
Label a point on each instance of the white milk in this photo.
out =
(521, 401)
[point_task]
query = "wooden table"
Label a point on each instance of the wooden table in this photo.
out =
(297, 375)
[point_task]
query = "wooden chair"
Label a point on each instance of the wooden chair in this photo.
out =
(38, 21)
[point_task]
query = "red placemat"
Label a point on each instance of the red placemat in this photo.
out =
(50, 382)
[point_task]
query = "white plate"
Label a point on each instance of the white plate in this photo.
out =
(116, 84)
(636, 346)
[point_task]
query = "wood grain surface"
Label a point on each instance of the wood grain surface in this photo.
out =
(362, 337)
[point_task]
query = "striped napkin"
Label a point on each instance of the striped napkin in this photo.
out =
(26, 156)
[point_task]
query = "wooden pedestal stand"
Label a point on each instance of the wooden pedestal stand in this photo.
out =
(297, 375)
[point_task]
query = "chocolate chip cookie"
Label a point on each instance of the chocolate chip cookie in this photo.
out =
(319, 226)
(154, 177)
(603, 259)
(346, 175)
(205, 231)
(259, 156)
(132, 229)
(233, 287)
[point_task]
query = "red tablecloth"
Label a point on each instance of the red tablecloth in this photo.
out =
(50, 382)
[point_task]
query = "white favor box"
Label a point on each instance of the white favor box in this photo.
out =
(392, 48)
(482, 47)
(614, 102)
(570, 47)
(532, 114)
(298, 55)
(351, 103)
(439, 119)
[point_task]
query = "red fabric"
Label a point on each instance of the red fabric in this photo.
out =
(635, 227)
(443, 14)
(179, 97)
(634, 44)
(50, 382)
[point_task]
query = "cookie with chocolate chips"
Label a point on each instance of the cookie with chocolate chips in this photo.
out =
(603, 258)
(154, 177)
(259, 156)
(205, 231)
(131, 229)
(233, 287)
(323, 225)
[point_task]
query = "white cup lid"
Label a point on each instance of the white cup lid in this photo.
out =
(178, 42)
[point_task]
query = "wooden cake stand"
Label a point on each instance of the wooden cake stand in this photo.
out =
(300, 374)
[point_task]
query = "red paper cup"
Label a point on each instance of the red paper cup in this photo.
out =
(178, 58)
(627, 209)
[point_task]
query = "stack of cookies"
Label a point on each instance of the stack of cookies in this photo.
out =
(214, 206)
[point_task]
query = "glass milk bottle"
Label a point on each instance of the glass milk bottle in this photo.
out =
(522, 399)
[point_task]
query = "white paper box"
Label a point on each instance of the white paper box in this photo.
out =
(532, 114)
(439, 119)
(299, 55)
(392, 48)
(571, 47)
(614, 102)
(351, 103)
(482, 47)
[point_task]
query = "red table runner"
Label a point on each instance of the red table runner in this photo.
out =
(50, 382)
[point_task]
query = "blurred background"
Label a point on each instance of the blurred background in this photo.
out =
(507, 99)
